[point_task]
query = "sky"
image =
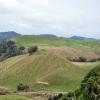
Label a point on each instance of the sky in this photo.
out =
(59, 17)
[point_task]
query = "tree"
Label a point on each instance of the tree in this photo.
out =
(10, 43)
(9, 49)
(3, 47)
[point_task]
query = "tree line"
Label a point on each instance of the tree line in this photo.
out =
(10, 49)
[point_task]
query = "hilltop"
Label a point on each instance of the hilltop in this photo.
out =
(48, 35)
(29, 40)
(8, 35)
(83, 38)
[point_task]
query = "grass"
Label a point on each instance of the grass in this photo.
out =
(27, 41)
(13, 97)
(46, 67)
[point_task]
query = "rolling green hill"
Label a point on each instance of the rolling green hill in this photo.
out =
(90, 49)
(48, 69)
(45, 70)
(29, 40)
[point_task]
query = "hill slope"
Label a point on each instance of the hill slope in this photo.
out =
(70, 48)
(29, 40)
(90, 87)
(41, 71)
(49, 68)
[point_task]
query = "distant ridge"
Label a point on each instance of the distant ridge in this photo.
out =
(83, 38)
(8, 35)
(48, 35)
(13, 34)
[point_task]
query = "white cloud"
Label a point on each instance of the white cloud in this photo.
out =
(61, 17)
(9, 3)
(20, 24)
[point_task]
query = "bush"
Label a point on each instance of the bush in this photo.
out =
(32, 50)
(22, 87)
(79, 59)
(82, 59)
(55, 97)
(93, 60)
(22, 48)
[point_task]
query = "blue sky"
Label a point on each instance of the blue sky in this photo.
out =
(59, 17)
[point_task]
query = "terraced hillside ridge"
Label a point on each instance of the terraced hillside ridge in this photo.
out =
(46, 70)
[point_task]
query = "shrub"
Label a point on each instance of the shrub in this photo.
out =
(79, 59)
(32, 50)
(22, 48)
(93, 60)
(22, 87)
(55, 97)
(82, 59)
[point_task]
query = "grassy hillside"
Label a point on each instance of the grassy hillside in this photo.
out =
(90, 49)
(13, 97)
(45, 70)
(72, 52)
(48, 69)
(28, 40)
(89, 87)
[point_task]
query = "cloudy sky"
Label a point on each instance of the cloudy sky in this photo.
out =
(60, 17)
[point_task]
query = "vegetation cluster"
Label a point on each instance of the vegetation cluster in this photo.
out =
(10, 49)
(83, 59)
(90, 87)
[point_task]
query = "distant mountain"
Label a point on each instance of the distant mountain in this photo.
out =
(48, 35)
(8, 35)
(82, 38)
